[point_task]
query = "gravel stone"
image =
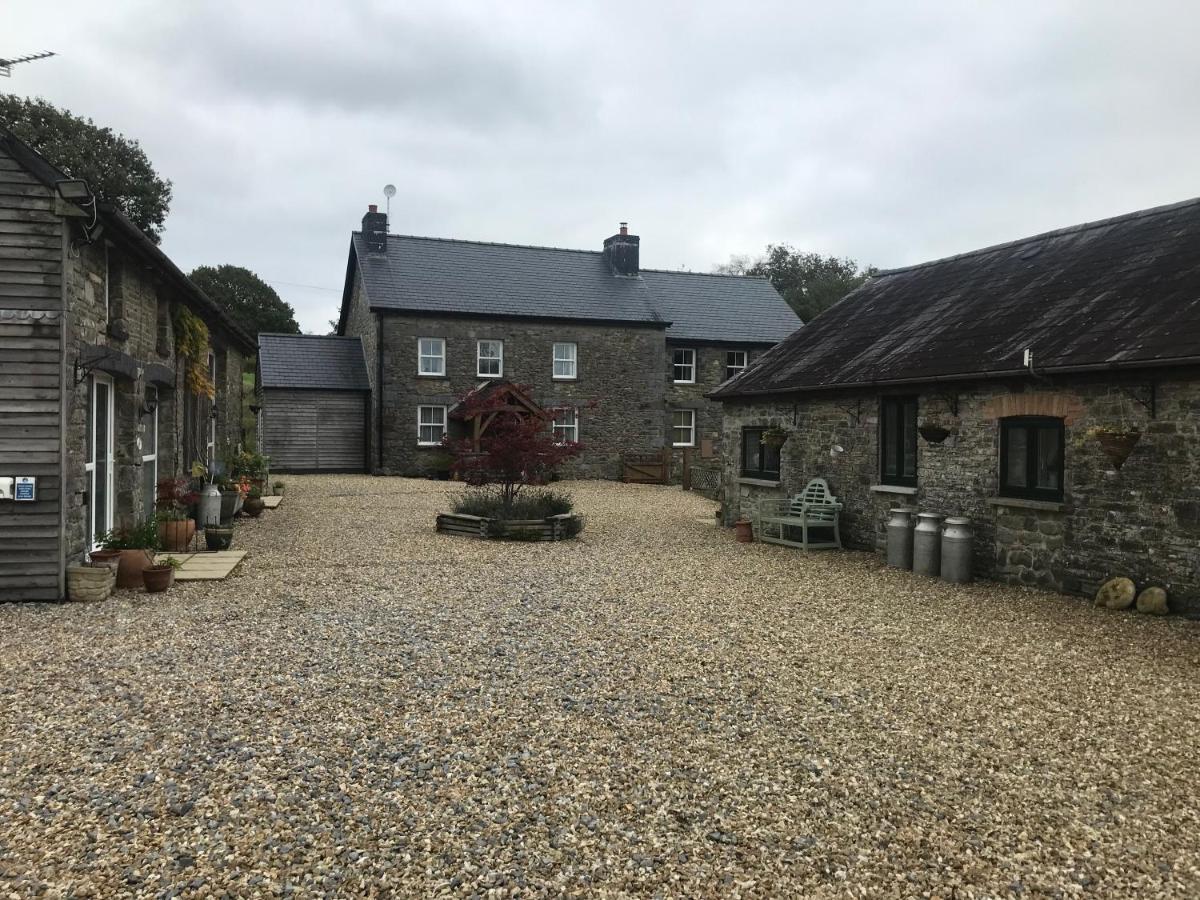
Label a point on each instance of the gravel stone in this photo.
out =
(368, 708)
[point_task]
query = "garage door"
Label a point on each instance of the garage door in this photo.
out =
(315, 431)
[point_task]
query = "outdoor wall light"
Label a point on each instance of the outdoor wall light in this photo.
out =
(74, 190)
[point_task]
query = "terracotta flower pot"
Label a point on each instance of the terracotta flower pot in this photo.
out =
(176, 534)
(131, 566)
(158, 578)
(1117, 445)
(109, 558)
(745, 531)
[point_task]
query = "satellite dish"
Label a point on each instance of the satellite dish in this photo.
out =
(389, 191)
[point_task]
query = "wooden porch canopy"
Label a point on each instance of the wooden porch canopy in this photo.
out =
(500, 398)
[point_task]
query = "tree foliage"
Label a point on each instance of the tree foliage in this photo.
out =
(115, 166)
(515, 451)
(248, 300)
(809, 282)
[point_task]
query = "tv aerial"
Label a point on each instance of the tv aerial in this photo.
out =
(389, 191)
(7, 64)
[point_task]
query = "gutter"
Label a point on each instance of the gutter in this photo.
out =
(379, 388)
(1118, 366)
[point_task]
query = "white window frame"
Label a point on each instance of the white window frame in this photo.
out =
(498, 359)
(440, 357)
(423, 424)
(151, 459)
(690, 428)
(89, 466)
(730, 369)
(566, 433)
(690, 365)
(572, 359)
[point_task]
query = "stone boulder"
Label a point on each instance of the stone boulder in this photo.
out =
(1116, 593)
(1153, 600)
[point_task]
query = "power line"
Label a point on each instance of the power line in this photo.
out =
(311, 287)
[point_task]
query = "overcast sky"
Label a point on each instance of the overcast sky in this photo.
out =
(888, 132)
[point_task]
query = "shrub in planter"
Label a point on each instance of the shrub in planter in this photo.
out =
(254, 504)
(279, 486)
(136, 544)
(86, 583)
(218, 538)
(175, 523)
(161, 575)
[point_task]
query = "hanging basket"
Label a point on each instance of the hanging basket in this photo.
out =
(774, 438)
(1117, 445)
(934, 434)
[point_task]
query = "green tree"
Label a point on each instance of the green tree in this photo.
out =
(809, 282)
(115, 166)
(249, 300)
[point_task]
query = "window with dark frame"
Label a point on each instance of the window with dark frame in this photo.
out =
(759, 460)
(1031, 457)
(735, 362)
(898, 441)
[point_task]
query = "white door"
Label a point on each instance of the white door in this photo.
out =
(99, 465)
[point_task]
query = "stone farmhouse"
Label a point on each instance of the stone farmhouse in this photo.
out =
(1048, 388)
(95, 404)
(626, 353)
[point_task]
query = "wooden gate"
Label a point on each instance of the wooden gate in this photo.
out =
(646, 468)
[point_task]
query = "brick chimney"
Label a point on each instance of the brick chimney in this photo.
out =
(374, 229)
(621, 251)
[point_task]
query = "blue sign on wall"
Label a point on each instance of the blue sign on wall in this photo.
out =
(25, 489)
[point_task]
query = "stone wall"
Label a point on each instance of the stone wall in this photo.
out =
(362, 323)
(135, 322)
(710, 372)
(1141, 520)
(619, 367)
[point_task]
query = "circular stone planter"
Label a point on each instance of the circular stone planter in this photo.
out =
(552, 528)
(88, 583)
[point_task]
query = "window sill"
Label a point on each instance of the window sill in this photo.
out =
(564, 378)
(894, 489)
(1025, 503)
(429, 446)
(430, 375)
(759, 482)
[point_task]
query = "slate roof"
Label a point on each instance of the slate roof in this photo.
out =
(323, 362)
(438, 275)
(1118, 293)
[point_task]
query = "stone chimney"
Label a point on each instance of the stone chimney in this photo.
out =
(374, 229)
(621, 251)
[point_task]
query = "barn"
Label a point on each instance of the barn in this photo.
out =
(314, 395)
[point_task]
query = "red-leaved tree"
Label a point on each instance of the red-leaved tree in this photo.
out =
(516, 447)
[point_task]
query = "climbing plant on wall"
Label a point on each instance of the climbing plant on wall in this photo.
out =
(193, 344)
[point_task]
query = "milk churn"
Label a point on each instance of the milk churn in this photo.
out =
(927, 544)
(210, 506)
(900, 538)
(956, 550)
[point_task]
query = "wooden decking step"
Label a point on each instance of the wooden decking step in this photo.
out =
(210, 565)
(272, 502)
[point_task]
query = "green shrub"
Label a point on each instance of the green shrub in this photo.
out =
(529, 504)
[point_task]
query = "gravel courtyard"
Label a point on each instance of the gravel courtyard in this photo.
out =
(369, 708)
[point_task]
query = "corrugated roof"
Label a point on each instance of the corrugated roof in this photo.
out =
(420, 274)
(323, 362)
(1119, 292)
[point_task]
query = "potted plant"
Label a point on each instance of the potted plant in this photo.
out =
(218, 537)
(175, 524)
(1117, 443)
(161, 575)
(745, 530)
(105, 557)
(279, 485)
(254, 505)
(136, 544)
(774, 437)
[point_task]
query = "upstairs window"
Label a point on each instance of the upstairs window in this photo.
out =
(735, 362)
(566, 426)
(491, 359)
(683, 428)
(898, 441)
(1031, 458)
(431, 356)
(566, 357)
(684, 369)
(431, 425)
(758, 459)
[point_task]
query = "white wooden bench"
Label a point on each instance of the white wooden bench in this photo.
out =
(814, 507)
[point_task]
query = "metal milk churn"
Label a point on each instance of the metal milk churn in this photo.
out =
(900, 538)
(210, 506)
(956, 550)
(927, 544)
